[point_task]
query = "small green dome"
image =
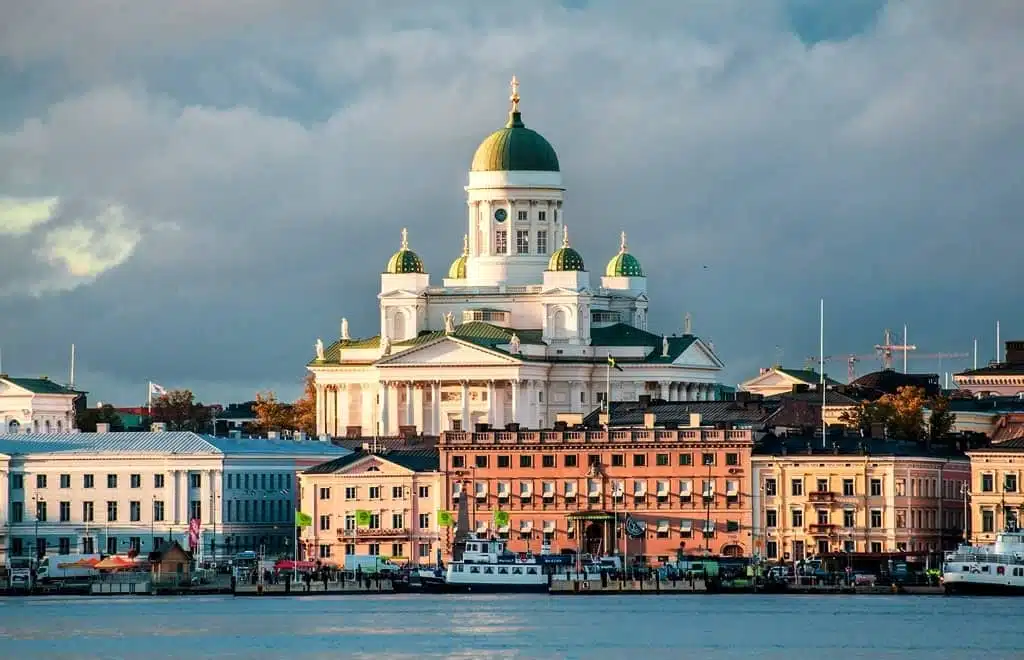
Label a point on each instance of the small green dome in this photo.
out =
(565, 258)
(515, 147)
(458, 268)
(405, 260)
(624, 264)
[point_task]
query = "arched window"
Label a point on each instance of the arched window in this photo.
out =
(398, 326)
(560, 324)
(13, 426)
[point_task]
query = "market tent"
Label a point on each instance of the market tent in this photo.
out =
(114, 563)
(291, 565)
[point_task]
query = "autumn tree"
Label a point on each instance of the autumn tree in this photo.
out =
(180, 412)
(271, 414)
(304, 410)
(902, 415)
(941, 422)
(87, 418)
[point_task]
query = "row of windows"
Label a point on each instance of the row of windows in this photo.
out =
(89, 481)
(270, 481)
(14, 427)
(595, 489)
(798, 549)
(504, 461)
(988, 483)
(374, 550)
(522, 241)
(258, 511)
(88, 510)
(373, 492)
(823, 517)
(796, 487)
(325, 523)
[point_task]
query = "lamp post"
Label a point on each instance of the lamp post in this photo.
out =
(35, 498)
(965, 492)
(152, 526)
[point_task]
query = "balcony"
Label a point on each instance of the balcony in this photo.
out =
(344, 534)
(820, 529)
(820, 496)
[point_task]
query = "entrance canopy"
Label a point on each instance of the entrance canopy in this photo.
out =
(591, 516)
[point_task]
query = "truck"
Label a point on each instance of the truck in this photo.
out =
(21, 574)
(370, 564)
(66, 568)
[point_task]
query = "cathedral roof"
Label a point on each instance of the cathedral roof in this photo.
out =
(623, 264)
(457, 271)
(565, 258)
(515, 147)
(405, 260)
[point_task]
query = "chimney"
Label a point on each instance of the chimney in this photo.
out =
(1015, 352)
(695, 420)
(158, 427)
(649, 419)
(102, 427)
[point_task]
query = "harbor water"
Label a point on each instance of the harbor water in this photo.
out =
(420, 626)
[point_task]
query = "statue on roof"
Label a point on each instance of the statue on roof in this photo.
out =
(449, 323)
(514, 343)
(385, 345)
(319, 349)
(687, 324)
(664, 346)
(344, 330)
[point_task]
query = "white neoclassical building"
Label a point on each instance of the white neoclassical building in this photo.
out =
(518, 332)
(36, 405)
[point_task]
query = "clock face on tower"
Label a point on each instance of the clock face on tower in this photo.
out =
(500, 215)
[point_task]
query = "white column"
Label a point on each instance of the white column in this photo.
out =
(574, 396)
(466, 425)
(435, 410)
(492, 407)
(384, 416)
(418, 392)
(664, 389)
(410, 404)
(343, 409)
(515, 401)
(332, 409)
(321, 425)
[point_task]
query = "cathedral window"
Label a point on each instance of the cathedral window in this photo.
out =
(542, 215)
(501, 242)
(522, 242)
(523, 215)
(542, 239)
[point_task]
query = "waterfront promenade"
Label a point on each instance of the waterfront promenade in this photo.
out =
(347, 588)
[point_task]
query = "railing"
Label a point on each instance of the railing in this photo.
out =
(985, 558)
(819, 529)
(620, 436)
(821, 496)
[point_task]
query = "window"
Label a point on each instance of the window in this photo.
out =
(522, 241)
(771, 518)
(685, 459)
(542, 240)
(424, 491)
(823, 516)
(570, 460)
(593, 460)
(17, 512)
(64, 545)
(639, 460)
(849, 546)
(350, 492)
(1010, 483)
(822, 485)
(397, 549)
(111, 545)
(797, 487)
(481, 461)
(988, 521)
(424, 521)
(501, 242)
(876, 518)
(661, 460)
(547, 460)
(111, 481)
(195, 480)
(325, 523)
(397, 492)
(136, 480)
(504, 461)
(707, 459)
(65, 513)
(732, 526)
(798, 518)
(876, 488)
(17, 549)
(324, 551)
(732, 458)
(40, 481)
(458, 461)
(374, 492)
(158, 510)
(618, 460)
(87, 512)
(350, 548)
(41, 511)
(848, 488)
(901, 488)
(17, 482)
(65, 481)
(987, 483)
(158, 481)
(397, 521)
(522, 215)
(373, 549)
(849, 519)
(771, 487)
(112, 511)
(88, 481)
(374, 521)
(525, 461)
(195, 509)
(135, 510)
(771, 549)
(325, 493)
(424, 550)
(876, 546)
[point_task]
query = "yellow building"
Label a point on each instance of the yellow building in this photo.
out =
(383, 504)
(858, 496)
(996, 499)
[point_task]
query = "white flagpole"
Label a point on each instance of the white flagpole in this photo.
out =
(821, 348)
(71, 382)
(149, 399)
(608, 391)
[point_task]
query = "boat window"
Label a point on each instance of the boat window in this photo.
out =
(488, 570)
(503, 570)
(531, 571)
(984, 569)
(517, 571)
(458, 569)
(474, 569)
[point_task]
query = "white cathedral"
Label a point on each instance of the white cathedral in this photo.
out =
(518, 333)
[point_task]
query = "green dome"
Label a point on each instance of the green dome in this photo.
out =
(515, 147)
(458, 268)
(405, 260)
(624, 264)
(565, 258)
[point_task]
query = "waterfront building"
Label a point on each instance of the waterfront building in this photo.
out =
(37, 405)
(997, 500)
(858, 495)
(398, 493)
(1005, 378)
(779, 380)
(112, 492)
(518, 332)
(682, 490)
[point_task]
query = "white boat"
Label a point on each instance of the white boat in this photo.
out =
(996, 569)
(488, 567)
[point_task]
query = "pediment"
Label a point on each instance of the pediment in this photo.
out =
(698, 354)
(8, 388)
(401, 294)
(374, 465)
(448, 351)
(772, 379)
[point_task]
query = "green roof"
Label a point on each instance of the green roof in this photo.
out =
(623, 264)
(40, 385)
(417, 460)
(806, 375)
(622, 334)
(515, 147)
(565, 258)
(458, 267)
(405, 260)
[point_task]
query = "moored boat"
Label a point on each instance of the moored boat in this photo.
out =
(487, 566)
(995, 569)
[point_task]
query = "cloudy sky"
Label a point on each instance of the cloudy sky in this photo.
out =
(194, 197)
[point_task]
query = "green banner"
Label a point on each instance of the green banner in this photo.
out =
(500, 518)
(362, 518)
(303, 519)
(445, 518)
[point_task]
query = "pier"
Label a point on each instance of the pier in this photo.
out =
(599, 587)
(349, 588)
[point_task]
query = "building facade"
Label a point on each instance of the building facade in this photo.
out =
(36, 405)
(645, 493)
(518, 332)
(114, 492)
(997, 501)
(1003, 378)
(401, 493)
(855, 497)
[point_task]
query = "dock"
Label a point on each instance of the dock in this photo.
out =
(316, 588)
(622, 587)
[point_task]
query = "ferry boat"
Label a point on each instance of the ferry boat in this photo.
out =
(487, 566)
(996, 569)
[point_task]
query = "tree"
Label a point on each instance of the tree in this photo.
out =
(87, 418)
(271, 414)
(867, 414)
(906, 412)
(178, 410)
(304, 410)
(941, 422)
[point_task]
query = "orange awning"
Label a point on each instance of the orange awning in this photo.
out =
(114, 563)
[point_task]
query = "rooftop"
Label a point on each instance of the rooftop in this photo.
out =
(417, 460)
(42, 385)
(848, 446)
(668, 413)
(170, 442)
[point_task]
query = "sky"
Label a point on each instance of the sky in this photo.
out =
(193, 192)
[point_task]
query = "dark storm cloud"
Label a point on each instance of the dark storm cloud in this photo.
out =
(266, 158)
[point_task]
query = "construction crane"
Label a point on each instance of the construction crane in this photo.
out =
(886, 349)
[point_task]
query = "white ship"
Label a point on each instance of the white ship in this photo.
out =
(996, 569)
(488, 567)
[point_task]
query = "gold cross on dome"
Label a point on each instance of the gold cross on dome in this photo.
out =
(405, 239)
(515, 94)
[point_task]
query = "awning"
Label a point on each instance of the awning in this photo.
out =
(291, 564)
(481, 527)
(732, 487)
(549, 488)
(570, 489)
(456, 489)
(115, 563)
(481, 488)
(593, 487)
(709, 488)
(685, 487)
(503, 488)
(525, 488)
(662, 525)
(525, 525)
(618, 488)
(549, 526)
(709, 525)
(685, 525)
(639, 488)
(662, 489)
(503, 529)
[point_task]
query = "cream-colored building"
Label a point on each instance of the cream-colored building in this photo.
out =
(870, 496)
(778, 380)
(997, 501)
(36, 405)
(402, 490)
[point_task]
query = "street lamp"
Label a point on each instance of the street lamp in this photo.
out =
(35, 498)
(152, 526)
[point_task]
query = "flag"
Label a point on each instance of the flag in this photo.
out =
(500, 518)
(157, 390)
(193, 533)
(445, 518)
(613, 364)
(303, 519)
(362, 518)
